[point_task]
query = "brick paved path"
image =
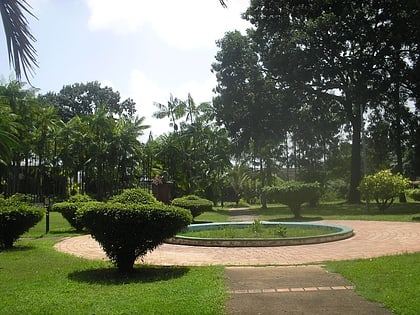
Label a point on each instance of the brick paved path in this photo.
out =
(371, 239)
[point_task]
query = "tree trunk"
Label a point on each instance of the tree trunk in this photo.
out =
(355, 168)
(398, 133)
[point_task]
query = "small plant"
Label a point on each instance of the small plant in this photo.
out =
(193, 203)
(256, 226)
(383, 187)
(16, 217)
(281, 230)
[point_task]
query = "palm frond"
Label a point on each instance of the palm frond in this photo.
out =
(19, 39)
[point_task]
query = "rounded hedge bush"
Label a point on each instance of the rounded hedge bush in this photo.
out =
(135, 196)
(193, 203)
(15, 219)
(293, 194)
(68, 209)
(414, 194)
(128, 231)
(383, 187)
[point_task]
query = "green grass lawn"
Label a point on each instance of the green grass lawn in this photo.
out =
(35, 279)
(276, 231)
(392, 280)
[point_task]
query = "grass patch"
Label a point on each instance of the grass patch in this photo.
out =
(35, 279)
(277, 231)
(58, 227)
(391, 280)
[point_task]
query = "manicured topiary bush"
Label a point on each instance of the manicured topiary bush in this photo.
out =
(293, 194)
(128, 231)
(16, 218)
(136, 196)
(414, 194)
(193, 203)
(68, 209)
(383, 187)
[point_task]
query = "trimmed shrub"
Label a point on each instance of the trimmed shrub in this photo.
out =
(383, 187)
(193, 203)
(134, 196)
(414, 194)
(293, 194)
(15, 219)
(128, 231)
(80, 198)
(68, 209)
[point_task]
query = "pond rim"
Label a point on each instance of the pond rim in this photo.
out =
(338, 232)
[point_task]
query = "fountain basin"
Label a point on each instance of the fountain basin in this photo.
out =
(338, 232)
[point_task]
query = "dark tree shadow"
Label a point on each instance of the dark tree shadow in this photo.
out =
(72, 231)
(140, 274)
(17, 248)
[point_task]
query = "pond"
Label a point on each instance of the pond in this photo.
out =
(278, 234)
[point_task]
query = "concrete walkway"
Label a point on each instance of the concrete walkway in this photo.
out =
(371, 239)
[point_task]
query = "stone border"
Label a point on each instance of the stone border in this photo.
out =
(339, 232)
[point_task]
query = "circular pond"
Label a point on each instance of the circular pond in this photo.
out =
(335, 233)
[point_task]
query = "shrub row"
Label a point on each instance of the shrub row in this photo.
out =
(16, 217)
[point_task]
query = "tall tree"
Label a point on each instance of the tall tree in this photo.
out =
(331, 49)
(247, 102)
(86, 98)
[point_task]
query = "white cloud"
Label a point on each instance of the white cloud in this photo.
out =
(184, 24)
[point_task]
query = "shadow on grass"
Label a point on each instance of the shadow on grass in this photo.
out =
(142, 274)
(66, 231)
(17, 248)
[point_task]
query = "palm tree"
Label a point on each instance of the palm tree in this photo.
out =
(19, 39)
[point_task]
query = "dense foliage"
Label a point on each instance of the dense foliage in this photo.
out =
(134, 196)
(293, 194)
(16, 218)
(68, 209)
(415, 194)
(383, 187)
(128, 231)
(195, 204)
(296, 97)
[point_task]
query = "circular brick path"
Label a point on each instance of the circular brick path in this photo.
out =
(371, 239)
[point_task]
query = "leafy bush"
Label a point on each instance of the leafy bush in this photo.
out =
(80, 198)
(383, 187)
(135, 196)
(129, 231)
(414, 194)
(293, 194)
(335, 189)
(193, 203)
(16, 218)
(68, 209)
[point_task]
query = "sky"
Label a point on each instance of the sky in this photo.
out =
(144, 49)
